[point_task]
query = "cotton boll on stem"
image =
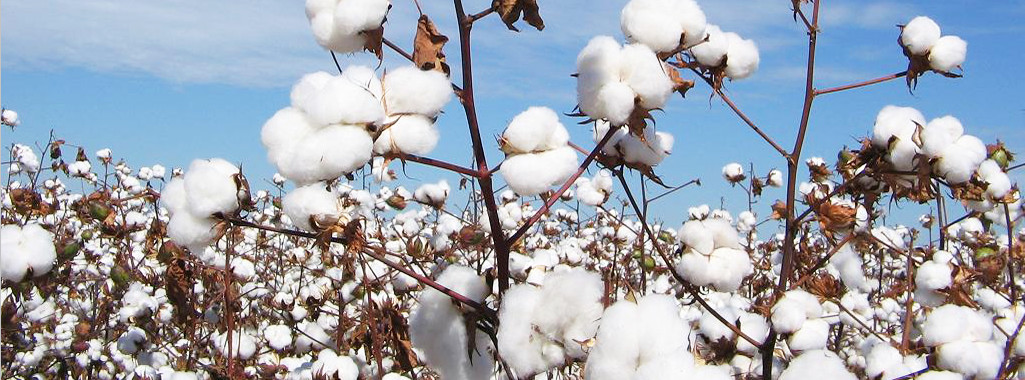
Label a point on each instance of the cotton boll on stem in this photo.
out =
(342, 101)
(411, 90)
(895, 121)
(649, 23)
(25, 248)
(646, 76)
(940, 133)
(919, 35)
(210, 187)
(410, 134)
(536, 129)
(437, 328)
(332, 152)
(307, 86)
(614, 102)
(712, 52)
(355, 16)
(312, 204)
(534, 173)
(741, 57)
(948, 54)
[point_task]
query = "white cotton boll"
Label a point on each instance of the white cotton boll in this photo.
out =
(329, 153)
(746, 221)
(940, 133)
(355, 16)
(648, 22)
(999, 184)
(411, 90)
(518, 343)
(662, 330)
(902, 155)
(328, 35)
(342, 101)
(919, 35)
(818, 364)
(534, 173)
(813, 335)
(754, 326)
(615, 352)
(741, 57)
(671, 367)
(695, 235)
(24, 248)
(282, 132)
(732, 171)
(645, 74)
(307, 87)
(433, 194)
(243, 346)
(80, 168)
(936, 329)
(10, 117)
(536, 129)
(940, 375)
(692, 18)
(333, 366)
(190, 231)
(173, 195)
(26, 157)
(932, 275)
(365, 78)
(437, 328)
(410, 134)
(790, 313)
(948, 54)
(880, 358)
(570, 308)
(278, 336)
(656, 147)
(712, 52)
(895, 121)
(849, 264)
(959, 160)
(210, 187)
(614, 102)
(312, 203)
(980, 360)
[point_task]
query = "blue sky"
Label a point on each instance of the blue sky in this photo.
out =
(166, 82)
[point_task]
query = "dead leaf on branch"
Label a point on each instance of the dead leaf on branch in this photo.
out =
(375, 42)
(428, 45)
(510, 10)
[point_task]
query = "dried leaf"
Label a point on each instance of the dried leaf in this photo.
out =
(679, 84)
(510, 10)
(428, 46)
(375, 42)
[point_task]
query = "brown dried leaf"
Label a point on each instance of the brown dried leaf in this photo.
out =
(679, 84)
(428, 46)
(779, 210)
(375, 42)
(510, 11)
(835, 217)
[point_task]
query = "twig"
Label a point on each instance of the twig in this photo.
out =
(861, 84)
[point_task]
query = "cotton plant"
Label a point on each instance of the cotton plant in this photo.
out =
(537, 152)
(343, 26)
(929, 50)
(208, 189)
(613, 78)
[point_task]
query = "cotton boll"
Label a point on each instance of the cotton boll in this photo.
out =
(614, 102)
(650, 152)
(410, 134)
(940, 133)
(649, 23)
(342, 101)
(243, 346)
(411, 90)
(919, 35)
(940, 375)
(819, 364)
(895, 121)
(437, 328)
(790, 313)
(311, 204)
(948, 54)
(518, 343)
(615, 352)
(902, 155)
(849, 264)
(999, 184)
(333, 151)
(173, 195)
(754, 326)
(536, 129)
(813, 335)
(646, 76)
(741, 57)
(333, 366)
(282, 131)
(575, 290)
(662, 332)
(980, 360)
(534, 173)
(959, 160)
(355, 16)
(597, 64)
(692, 19)
(880, 358)
(329, 36)
(278, 336)
(210, 187)
(696, 236)
(190, 231)
(932, 275)
(973, 326)
(24, 248)
(712, 52)
(307, 87)
(733, 172)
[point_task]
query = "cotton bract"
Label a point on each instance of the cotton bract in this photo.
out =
(25, 248)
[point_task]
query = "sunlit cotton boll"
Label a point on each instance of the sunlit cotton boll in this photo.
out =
(790, 313)
(818, 364)
(649, 22)
(333, 366)
(411, 90)
(650, 152)
(712, 52)
(958, 161)
(24, 248)
(341, 100)
(998, 183)
(311, 204)
(536, 129)
(646, 76)
(323, 154)
(410, 134)
(948, 54)
(191, 231)
(742, 57)
(433, 194)
(534, 173)
(940, 133)
(210, 187)
(338, 24)
(919, 35)
(895, 121)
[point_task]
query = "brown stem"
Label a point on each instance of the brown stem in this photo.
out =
(861, 84)
(1008, 348)
(437, 163)
(744, 117)
(565, 186)
(477, 16)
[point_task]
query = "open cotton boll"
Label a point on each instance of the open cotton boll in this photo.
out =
(999, 184)
(601, 127)
(364, 77)
(307, 87)
(342, 101)
(882, 357)
(24, 248)
(849, 264)
(570, 308)
(433, 194)
(733, 172)
(191, 231)
(355, 16)
(958, 161)
(723, 269)
(813, 335)
(895, 121)
(972, 325)
(278, 336)
(329, 153)
(328, 35)
(534, 173)
(410, 90)
(311, 204)
(521, 347)
(948, 54)
(818, 364)
(790, 313)
(980, 360)
(919, 35)
(173, 195)
(283, 131)
(243, 346)
(696, 236)
(410, 134)
(662, 331)
(657, 147)
(741, 57)
(712, 52)
(536, 129)
(614, 102)
(330, 365)
(437, 328)
(902, 155)
(692, 18)
(597, 64)
(210, 187)
(648, 22)
(646, 76)
(933, 275)
(940, 133)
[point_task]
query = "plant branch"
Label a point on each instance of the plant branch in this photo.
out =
(861, 84)
(436, 163)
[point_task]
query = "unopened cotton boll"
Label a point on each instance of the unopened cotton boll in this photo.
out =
(411, 90)
(919, 35)
(25, 248)
(948, 54)
(742, 57)
(534, 173)
(712, 52)
(313, 207)
(410, 134)
(536, 129)
(210, 187)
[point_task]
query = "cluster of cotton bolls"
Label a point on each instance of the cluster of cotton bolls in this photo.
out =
(921, 38)
(801, 315)
(713, 255)
(969, 349)
(537, 152)
(341, 25)
(25, 250)
(643, 152)
(613, 79)
(329, 129)
(208, 188)
(24, 159)
(594, 191)
(906, 136)
(545, 327)
(737, 57)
